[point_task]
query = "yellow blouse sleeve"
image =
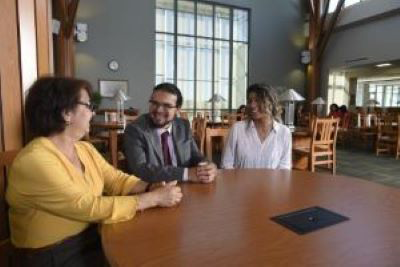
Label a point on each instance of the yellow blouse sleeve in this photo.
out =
(41, 181)
(116, 182)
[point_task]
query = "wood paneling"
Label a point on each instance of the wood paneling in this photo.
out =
(10, 77)
(64, 49)
(44, 43)
(25, 51)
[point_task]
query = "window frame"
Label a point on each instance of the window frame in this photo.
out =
(213, 39)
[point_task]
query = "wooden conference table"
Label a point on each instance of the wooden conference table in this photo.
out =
(228, 224)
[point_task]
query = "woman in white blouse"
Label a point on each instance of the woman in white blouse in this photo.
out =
(260, 141)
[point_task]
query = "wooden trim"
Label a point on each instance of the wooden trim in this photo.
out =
(72, 9)
(10, 76)
(42, 37)
(64, 45)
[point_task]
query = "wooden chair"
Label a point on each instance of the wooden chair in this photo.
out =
(232, 118)
(365, 130)
(6, 158)
(183, 115)
(210, 134)
(343, 131)
(388, 137)
(322, 150)
(304, 119)
(199, 132)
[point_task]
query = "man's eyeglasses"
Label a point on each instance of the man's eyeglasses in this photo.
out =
(90, 106)
(164, 106)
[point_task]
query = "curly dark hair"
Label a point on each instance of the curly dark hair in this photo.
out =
(172, 89)
(46, 101)
(267, 98)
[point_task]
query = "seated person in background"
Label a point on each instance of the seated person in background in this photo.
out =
(260, 141)
(334, 111)
(158, 146)
(344, 116)
(343, 110)
(56, 183)
(241, 112)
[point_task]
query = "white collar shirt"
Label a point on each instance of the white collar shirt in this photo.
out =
(244, 149)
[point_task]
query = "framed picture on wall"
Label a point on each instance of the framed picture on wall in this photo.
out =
(108, 88)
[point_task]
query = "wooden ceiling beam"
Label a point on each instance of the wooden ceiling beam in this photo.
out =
(330, 28)
(322, 21)
(312, 9)
(71, 16)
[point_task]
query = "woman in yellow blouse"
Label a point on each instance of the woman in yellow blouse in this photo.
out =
(59, 186)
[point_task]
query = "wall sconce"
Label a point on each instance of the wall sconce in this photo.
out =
(81, 34)
(55, 26)
(305, 57)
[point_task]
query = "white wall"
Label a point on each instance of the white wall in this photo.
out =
(124, 30)
(376, 39)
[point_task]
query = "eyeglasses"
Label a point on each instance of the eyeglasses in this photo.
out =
(164, 106)
(89, 106)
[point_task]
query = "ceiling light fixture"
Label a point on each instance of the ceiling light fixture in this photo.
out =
(383, 65)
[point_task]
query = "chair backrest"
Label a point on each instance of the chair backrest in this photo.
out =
(130, 118)
(345, 120)
(199, 132)
(388, 124)
(232, 118)
(6, 158)
(367, 120)
(214, 132)
(183, 115)
(325, 131)
(304, 119)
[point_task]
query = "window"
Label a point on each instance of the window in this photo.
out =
(386, 93)
(347, 3)
(203, 48)
(338, 92)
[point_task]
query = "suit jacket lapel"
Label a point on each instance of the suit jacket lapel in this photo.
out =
(177, 139)
(154, 140)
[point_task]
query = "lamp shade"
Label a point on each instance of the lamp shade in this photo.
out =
(290, 95)
(318, 101)
(120, 95)
(216, 98)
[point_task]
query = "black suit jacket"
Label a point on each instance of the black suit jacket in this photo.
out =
(143, 152)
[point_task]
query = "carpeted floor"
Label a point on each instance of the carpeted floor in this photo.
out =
(362, 163)
(384, 169)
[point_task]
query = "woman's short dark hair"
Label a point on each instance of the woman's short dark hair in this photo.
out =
(334, 106)
(172, 89)
(240, 108)
(47, 99)
(267, 96)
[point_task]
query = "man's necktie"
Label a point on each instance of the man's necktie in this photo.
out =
(165, 148)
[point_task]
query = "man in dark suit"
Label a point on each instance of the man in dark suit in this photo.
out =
(158, 146)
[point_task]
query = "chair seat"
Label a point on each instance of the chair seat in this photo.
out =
(318, 151)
